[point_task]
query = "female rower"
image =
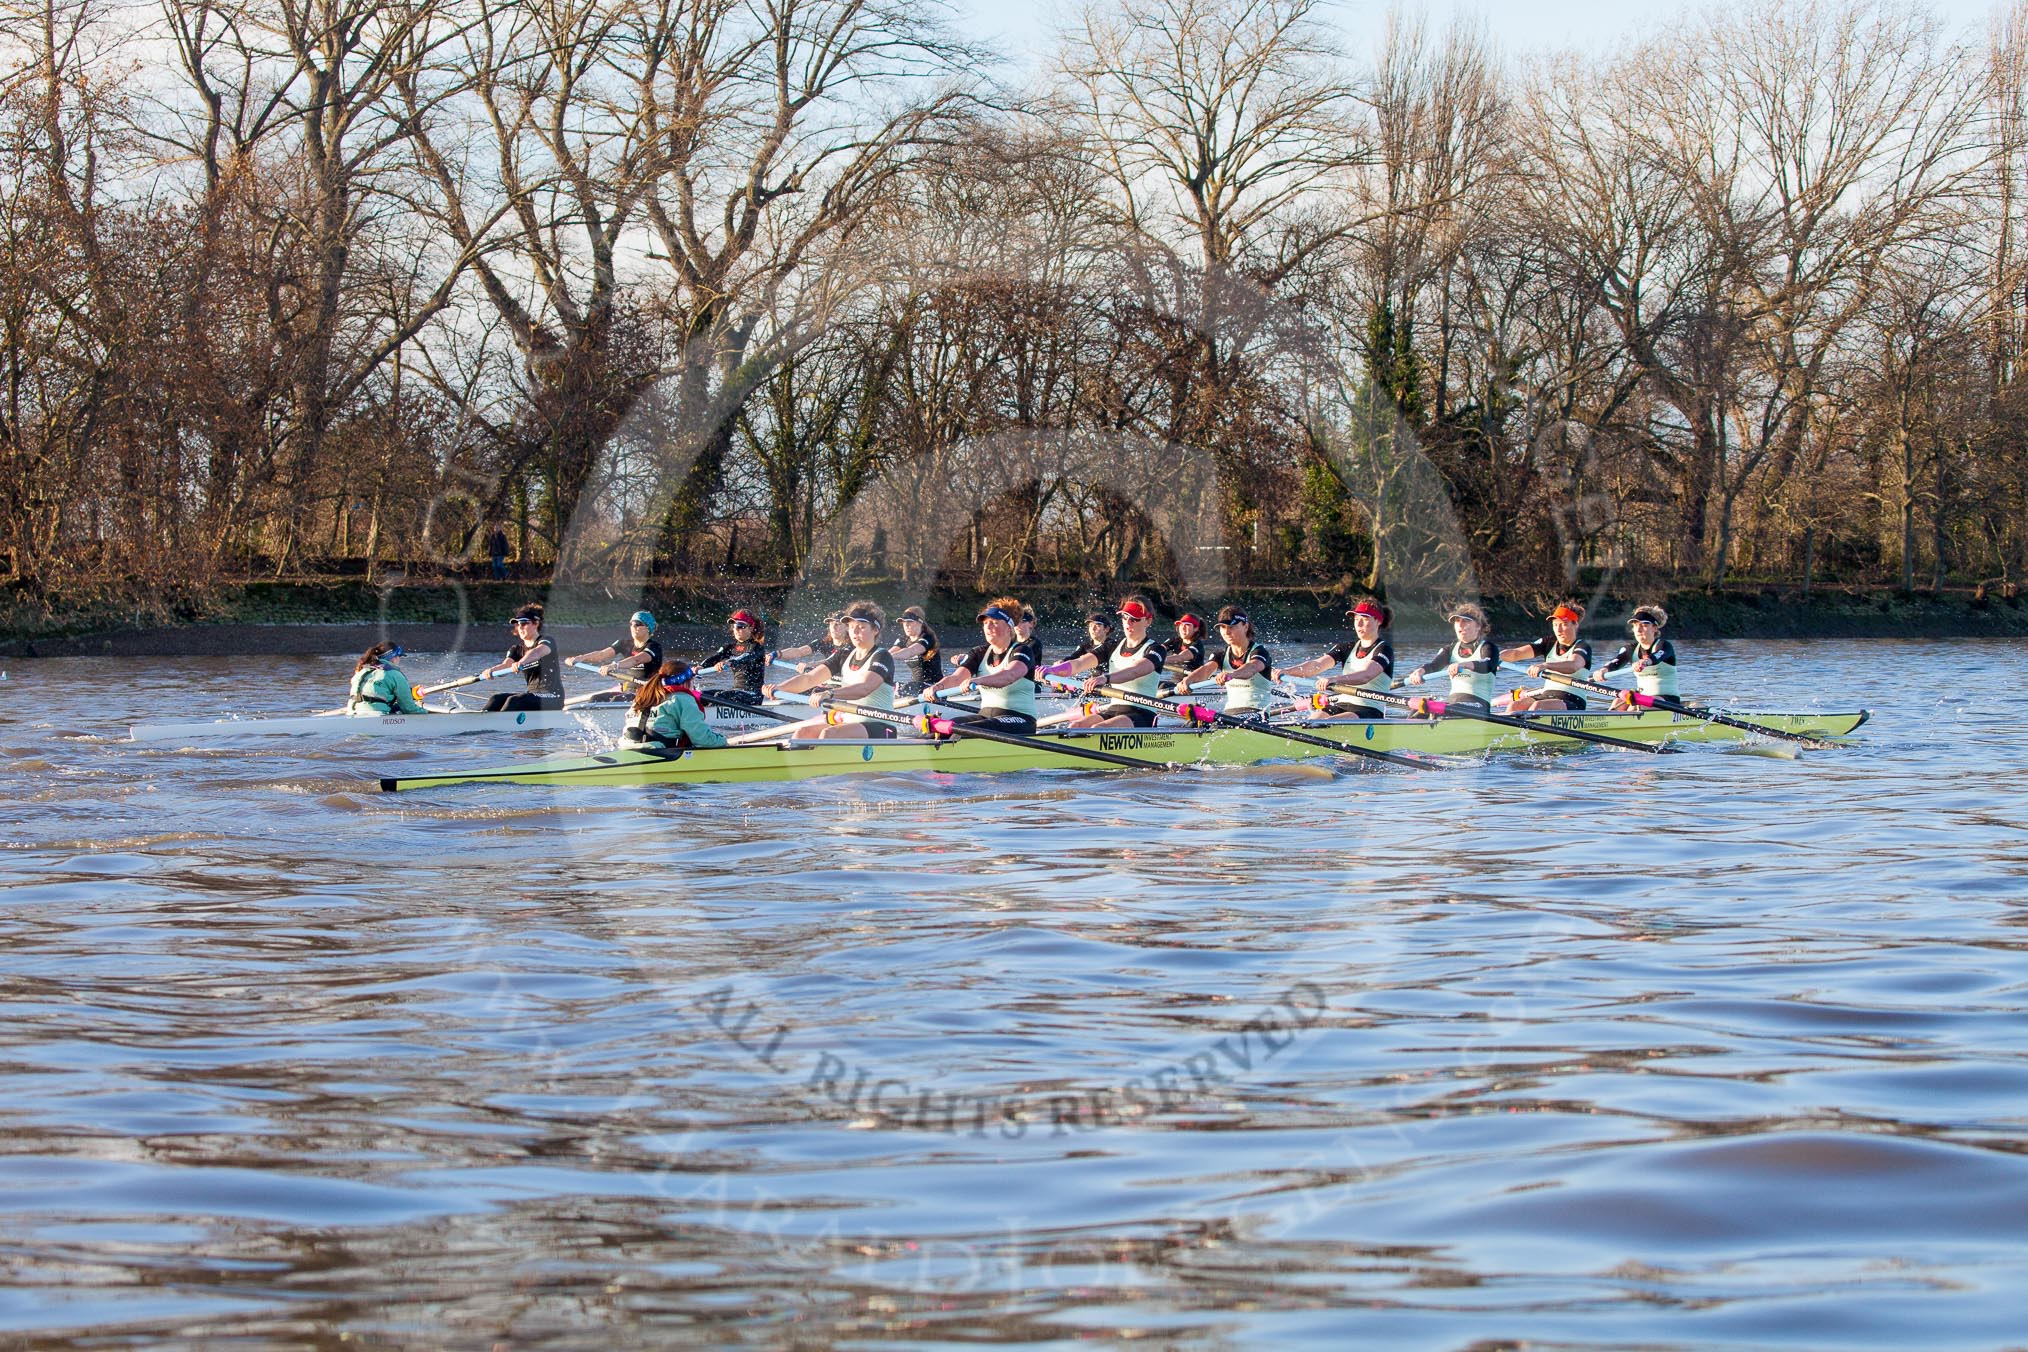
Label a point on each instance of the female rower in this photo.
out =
(1366, 663)
(745, 656)
(1000, 670)
(1563, 653)
(1242, 666)
(862, 673)
(918, 654)
(835, 641)
(1185, 652)
(1471, 662)
(533, 655)
(1024, 634)
(1132, 662)
(634, 656)
(667, 711)
(1652, 657)
(1098, 633)
(378, 687)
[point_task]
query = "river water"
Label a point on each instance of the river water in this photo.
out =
(1592, 1050)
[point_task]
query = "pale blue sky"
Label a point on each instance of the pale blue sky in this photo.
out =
(1022, 27)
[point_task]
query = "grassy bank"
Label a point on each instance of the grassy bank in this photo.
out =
(1732, 613)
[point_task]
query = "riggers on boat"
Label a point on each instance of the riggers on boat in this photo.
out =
(1156, 747)
(595, 717)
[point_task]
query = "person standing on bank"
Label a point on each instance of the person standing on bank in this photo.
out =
(535, 657)
(496, 549)
(631, 658)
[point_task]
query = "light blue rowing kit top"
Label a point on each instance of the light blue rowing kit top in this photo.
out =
(379, 690)
(1477, 663)
(1247, 693)
(1658, 677)
(1016, 697)
(679, 721)
(847, 668)
(1123, 657)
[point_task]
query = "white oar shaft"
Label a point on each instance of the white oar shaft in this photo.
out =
(623, 680)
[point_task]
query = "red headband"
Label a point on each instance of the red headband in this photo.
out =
(1368, 608)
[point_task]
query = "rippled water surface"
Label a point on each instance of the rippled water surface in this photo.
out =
(1725, 1049)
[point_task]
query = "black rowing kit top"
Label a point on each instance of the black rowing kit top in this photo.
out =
(1663, 654)
(927, 667)
(546, 676)
(746, 663)
(649, 656)
(1183, 658)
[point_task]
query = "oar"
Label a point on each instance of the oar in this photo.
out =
(941, 701)
(624, 681)
(1197, 713)
(943, 727)
(425, 691)
(1667, 705)
(1436, 708)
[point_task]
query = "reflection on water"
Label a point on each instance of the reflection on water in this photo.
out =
(1580, 1049)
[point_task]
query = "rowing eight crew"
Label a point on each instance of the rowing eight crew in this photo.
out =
(1005, 670)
